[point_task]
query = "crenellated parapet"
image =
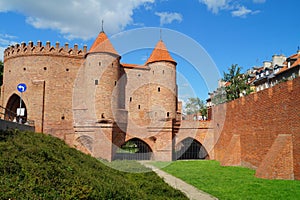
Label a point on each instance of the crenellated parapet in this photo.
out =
(29, 49)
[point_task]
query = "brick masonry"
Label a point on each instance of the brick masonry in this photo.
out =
(261, 131)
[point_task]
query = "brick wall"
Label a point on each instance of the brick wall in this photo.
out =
(254, 129)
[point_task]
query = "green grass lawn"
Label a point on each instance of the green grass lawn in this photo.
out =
(230, 182)
(38, 166)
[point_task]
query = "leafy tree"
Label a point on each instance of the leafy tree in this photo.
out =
(1, 72)
(195, 106)
(237, 83)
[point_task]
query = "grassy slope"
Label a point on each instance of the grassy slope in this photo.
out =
(231, 182)
(38, 166)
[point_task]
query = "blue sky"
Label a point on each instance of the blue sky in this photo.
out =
(243, 32)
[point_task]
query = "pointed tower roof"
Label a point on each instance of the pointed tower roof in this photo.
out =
(160, 53)
(102, 44)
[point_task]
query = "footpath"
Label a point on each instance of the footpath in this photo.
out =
(190, 191)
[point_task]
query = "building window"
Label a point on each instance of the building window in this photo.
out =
(163, 71)
(130, 99)
(115, 83)
(67, 69)
(45, 68)
(139, 106)
(99, 63)
(96, 82)
(24, 69)
(158, 89)
(168, 114)
(153, 71)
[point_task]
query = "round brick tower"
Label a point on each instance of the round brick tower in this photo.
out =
(162, 83)
(103, 70)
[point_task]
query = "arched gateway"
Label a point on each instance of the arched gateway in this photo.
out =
(190, 148)
(134, 149)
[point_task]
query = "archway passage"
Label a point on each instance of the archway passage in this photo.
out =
(134, 149)
(190, 148)
(11, 109)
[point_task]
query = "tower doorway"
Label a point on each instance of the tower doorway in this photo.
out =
(11, 109)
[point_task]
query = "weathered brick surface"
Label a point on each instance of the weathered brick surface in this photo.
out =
(278, 163)
(258, 119)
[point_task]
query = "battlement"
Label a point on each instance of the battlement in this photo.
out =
(24, 49)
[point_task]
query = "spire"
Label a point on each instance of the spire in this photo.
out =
(102, 29)
(160, 53)
(102, 44)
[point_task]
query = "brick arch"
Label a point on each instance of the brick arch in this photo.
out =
(12, 105)
(190, 148)
(134, 149)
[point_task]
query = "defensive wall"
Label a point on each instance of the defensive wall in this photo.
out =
(261, 131)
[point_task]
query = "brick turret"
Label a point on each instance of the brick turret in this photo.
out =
(163, 81)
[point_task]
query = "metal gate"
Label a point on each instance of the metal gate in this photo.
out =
(134, 149)
(190, 148)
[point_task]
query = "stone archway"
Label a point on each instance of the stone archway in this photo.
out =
(11, 109)
(190, 148)
(134, 149)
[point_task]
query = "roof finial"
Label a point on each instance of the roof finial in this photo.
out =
(102, 29)
(160, 34)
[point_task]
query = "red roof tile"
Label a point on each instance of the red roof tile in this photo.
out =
(227, 84)
(160, 53)
(102, 44)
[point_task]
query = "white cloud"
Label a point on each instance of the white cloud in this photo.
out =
(77, 18)
(216, 5)
(242, 11)
(1, 53)
(234, 6)
(5, 40)
(168, 17)
(259, 1)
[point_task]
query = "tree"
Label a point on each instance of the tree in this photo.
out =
(195, 106)
(1, 72)
(236, 83)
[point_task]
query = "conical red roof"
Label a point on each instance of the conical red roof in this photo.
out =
(160, 53)
(103, 44)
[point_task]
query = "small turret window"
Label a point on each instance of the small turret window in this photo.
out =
(130, 99)
(168, 114)
(139, 106)
(158, 89)
(96, 82)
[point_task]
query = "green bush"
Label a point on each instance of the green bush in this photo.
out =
(38, 166)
